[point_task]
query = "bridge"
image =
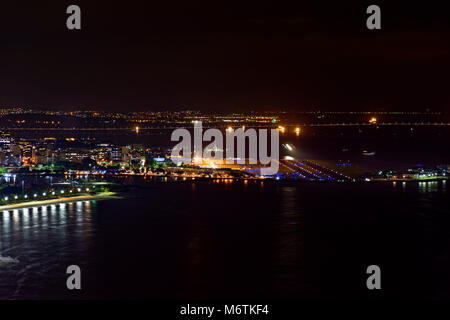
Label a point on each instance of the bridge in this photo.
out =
(350, 124)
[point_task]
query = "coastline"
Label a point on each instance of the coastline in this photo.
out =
(100, 196)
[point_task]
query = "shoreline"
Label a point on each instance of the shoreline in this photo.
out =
(100, 196)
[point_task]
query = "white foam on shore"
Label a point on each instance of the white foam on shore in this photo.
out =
(7, 259)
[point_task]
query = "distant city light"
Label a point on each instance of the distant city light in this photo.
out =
(137, 129)
(373, 120)
(229, 129)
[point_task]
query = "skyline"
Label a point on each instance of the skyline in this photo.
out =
(225, 57)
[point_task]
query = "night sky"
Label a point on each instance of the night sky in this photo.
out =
(225, 56)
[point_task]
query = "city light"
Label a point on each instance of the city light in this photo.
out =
(297, 130)
(137, 129)
(281, 129)
(373, 120)
(230, 129)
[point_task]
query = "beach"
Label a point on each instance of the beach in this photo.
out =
(100, 196)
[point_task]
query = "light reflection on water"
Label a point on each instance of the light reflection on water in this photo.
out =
(37, 237)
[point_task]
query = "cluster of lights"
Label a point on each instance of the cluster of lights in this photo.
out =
(334, 171)
(292, 170)
(312, 171)
(44, 194)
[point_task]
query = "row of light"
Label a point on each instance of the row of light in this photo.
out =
(280, 128)
(43, 194)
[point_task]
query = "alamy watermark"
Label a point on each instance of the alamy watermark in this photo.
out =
(258, 143)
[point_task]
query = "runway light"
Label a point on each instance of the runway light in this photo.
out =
(26, 196)
(35, 195)
(44, 194)
(62, 191)
(15, 197)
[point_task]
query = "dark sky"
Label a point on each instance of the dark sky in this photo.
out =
(225, 55)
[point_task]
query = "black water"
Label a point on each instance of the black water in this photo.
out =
(234, 240)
